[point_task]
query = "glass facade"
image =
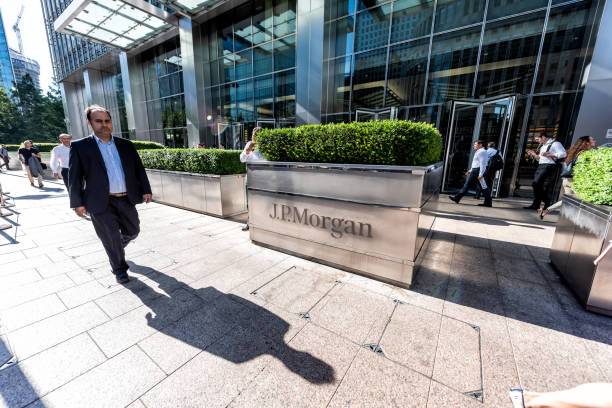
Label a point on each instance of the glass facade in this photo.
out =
(6, 69)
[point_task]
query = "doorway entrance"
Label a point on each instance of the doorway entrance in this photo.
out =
(230, 135)
(489, 121)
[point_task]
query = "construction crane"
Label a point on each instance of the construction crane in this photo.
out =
(17, 31)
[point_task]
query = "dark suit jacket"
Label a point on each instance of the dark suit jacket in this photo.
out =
(88, 179)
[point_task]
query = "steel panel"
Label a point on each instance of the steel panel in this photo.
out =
(194, 195)
(155, 180)
(171, 183)
(212, 187)
(233, 194)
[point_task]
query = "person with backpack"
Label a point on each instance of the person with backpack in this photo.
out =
(495, 163)
(583, 144)
(550, 153)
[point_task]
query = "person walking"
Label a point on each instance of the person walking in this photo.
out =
(29, 155)
(476, 175)
(583, 144)
(495, 163)
(249, 154)
(550, 151)
(60, 156)
(5, 157)
(107, 179)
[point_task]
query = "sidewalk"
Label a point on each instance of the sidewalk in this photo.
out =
(211, 320)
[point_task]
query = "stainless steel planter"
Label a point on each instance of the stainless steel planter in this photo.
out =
(369, 219)
(583, 230)
(222, 196)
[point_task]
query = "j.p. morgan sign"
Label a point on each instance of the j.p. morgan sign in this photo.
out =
(336, 226)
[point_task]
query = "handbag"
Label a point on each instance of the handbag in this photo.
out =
(567, 169)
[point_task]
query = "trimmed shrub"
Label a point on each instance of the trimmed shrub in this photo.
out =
(42, 147)
(593, 176)
(203, 161)
(142, 145)
(390, 142)
(13, 147)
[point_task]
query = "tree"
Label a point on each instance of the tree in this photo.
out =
(9, 119)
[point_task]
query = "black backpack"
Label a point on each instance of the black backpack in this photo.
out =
(495, 163)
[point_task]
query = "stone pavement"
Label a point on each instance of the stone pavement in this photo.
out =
(211, 320)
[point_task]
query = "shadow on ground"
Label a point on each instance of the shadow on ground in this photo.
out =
(16, 390)
(221, 314)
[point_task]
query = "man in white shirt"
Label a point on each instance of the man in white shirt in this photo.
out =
(550, 151)
(249, 154)
(491, 170)
(59, 158)
(476, 175)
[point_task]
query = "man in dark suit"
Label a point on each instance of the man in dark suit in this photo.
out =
(107, 180)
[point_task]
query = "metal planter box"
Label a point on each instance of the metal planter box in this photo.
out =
(582, 232)
(369, 219)
(222, 196)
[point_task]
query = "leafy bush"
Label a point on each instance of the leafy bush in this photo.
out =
(142, 145)
(12, 147)
(391, 142)
(593, 176)
(204, 161)
(42, 147)
(47, 147)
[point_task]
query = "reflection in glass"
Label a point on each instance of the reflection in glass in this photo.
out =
(284, 53)
(407, 69)
(428, 114)
(502, 8)
(213, 66)
(338, 78)
(225, 92)
(369, 79)
(284, 17)
(244, 100)
(227, 69)
(262, 59)
(460, 145)
(264, 93)
(411, 19)
(364, 4)
(243, 65)
(262, 21)
(338, 37)
(372, 28)
(284, 95)
(226, 38)
(566, 50)
(335, 9)
(458, 13)
(242, 28)
(452, 65)
(509, 53)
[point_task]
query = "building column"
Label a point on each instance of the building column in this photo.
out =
(192, 82)
(309, 62)
(127, 93)
(594, 115)
(93, 87)
(72, 99)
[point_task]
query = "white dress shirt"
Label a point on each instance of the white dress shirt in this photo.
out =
(59, 158)
(254, 156)
(556, 148)
(480, 161)
(492, 152)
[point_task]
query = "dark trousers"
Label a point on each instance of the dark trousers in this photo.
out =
(6, 163)
(489, 176)
(472, 179)
(542, 185)
(116, 227)
(65, 176)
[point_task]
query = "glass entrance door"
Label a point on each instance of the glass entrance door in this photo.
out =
(230, 135)
(488, 121)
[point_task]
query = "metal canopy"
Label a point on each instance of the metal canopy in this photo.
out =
(190, 7)
(122, 24)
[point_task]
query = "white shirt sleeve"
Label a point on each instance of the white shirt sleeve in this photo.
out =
(484, 159)
(54, 160)
(558, 150)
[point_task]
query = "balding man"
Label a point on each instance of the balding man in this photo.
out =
(59, 158)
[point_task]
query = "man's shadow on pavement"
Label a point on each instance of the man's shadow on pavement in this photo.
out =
(217, 315)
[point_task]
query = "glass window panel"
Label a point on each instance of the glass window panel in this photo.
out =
(262, 59)
(335, 9)
(118, 24)
(369, 79)
(228, 106)
(243, 37)
(411, 19)
(339, 37)
(217, 108)
(214, 72)
(365, 4)
(509, 53)
(452, 65)
(407, 69)
(262, 22)
(284, 17)
(284, 94)
(264, 97)
(226, 68)
(458, 13)
(284, 53)
(339, 85)
(566, 49)
(372, 28)
(244, 100)
(226, 38)
(243, 65)
(154, 109)
(502, 8)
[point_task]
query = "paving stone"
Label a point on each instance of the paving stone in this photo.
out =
(5, 352)
(49, 370)
(17, 279)
(388, 384)
(441, 396)
(505, 250)
(31, 312)
(524, 269)
(102, 387)
(57, 268)
(80, 276)
(84, 293)
(11, 268)
(351, 312)
(306, 374)
(132, 327)
(136, 404)
(428, 289)
(47, 333)
(34, 290)
(217, 375)
(13, 256)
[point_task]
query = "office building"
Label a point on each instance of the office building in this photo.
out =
(23, 65)
(6, 68)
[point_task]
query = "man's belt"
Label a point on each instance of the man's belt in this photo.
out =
(117, 194)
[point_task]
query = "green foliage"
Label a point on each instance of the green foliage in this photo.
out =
(142, 145)
(13, 147)
(390, 142)
(204, 161)
(42, 147)
(593, 176)
(47, 147)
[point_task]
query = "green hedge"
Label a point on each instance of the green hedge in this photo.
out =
(390, 142)
(140, 145)
(47, 147)
(593, 176)
(204, 161)
(12, 147)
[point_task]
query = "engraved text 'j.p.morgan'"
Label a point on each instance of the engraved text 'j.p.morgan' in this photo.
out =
(337, 226)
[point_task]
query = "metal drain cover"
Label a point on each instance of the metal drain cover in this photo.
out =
(305, 315)
(477, 395)
(376, 348)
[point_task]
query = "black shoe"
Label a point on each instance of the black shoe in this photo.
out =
(245, 227)
(531, 207)
(122, 278)
(455, 199)
(485, 205)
